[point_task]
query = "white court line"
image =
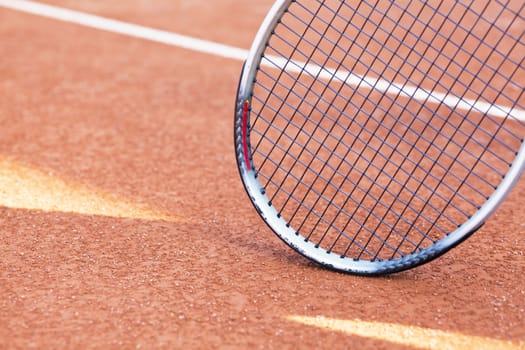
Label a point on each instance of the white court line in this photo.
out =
(392, 88)
(227, 51)
(133, 30)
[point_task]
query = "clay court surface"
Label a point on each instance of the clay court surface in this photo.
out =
(124, 224)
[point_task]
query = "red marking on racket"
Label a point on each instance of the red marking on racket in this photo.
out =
(245, 134)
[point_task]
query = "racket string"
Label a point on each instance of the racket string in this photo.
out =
(429, 45)
(434, 177)
(386, 205)
(309, 89)
(329, 105)
(343, 159)
(270, 123)
(459, 127)
(356, 202)
(444, 71)
(326, 221)
(408, 158)
(302, 146)
(292, 88)
(276, 81)
(426, 107)
(458, 46)
(404, 185)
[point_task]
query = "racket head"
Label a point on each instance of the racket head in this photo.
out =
(332, 223)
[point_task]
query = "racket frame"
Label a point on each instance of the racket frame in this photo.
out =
(280, 226)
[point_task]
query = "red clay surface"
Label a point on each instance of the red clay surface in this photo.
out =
(129, 226)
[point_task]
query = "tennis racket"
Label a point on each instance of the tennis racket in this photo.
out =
(373, 136)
